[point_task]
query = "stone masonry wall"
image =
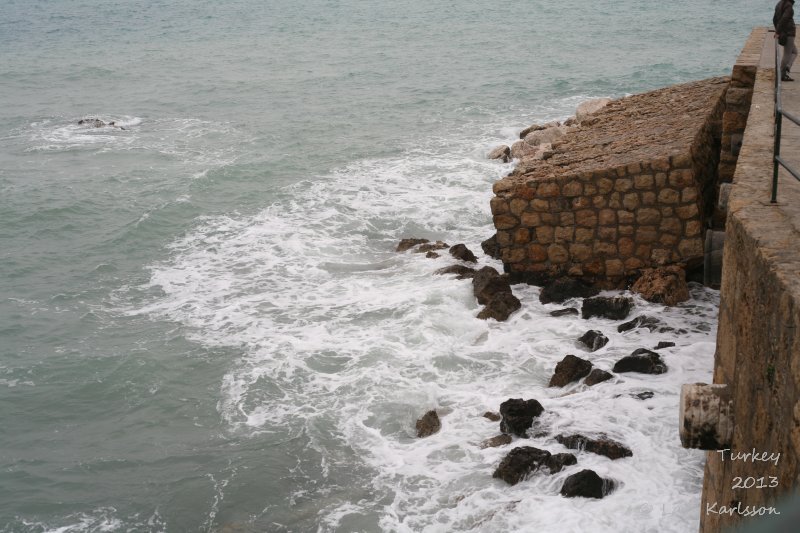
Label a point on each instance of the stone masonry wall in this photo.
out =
(758, 342)
(626, 189)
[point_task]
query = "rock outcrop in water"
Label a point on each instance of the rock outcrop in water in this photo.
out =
(615, 308)
(570, 369)
(665, 285)
(518, 414)
(587, 484)
(562, 289)
(593, 340)
(428, 424)
(494, 292)
(642, 361)
(523, 461)
(601, 445)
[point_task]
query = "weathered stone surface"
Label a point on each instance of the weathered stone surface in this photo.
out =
(567, 311)
(563, 289)
(428, 424)
(586, 484)
(518, 414)
(548, 135)
(666, 285)
(536, 127)
(643, 361)
(407, 244)
(501, 152)
(491, 247)
(521, 149)
(500, 306)
(586, 109)
(615, 308)
(499, 440)
(569, 369)
(486, 282)
(601, 445)
(460, 251)
(597, 376)
(593, 340)
(520, 463)
(461, 271)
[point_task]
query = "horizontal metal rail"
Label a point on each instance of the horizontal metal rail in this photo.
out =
(777, 160)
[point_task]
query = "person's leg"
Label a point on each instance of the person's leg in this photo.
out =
(786, 54)
(792, 54)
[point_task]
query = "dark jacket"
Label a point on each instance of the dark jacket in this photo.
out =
(783, 20)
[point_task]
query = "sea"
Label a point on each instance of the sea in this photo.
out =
(204, 324)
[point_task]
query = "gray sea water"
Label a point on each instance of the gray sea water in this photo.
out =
(203, 323)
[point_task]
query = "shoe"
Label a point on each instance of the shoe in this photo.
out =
(786, 77)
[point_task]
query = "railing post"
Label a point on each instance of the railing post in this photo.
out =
(775, 153)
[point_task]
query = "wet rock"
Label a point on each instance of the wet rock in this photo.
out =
(615, 308)
(521, 150)
(499, 440)
(664, 344)
(428, 424)
(461, 271)
(92, 122)
(643, 361)
(407, 244)
(589, 108)
(601, 445)
(641, 321)
(501, 306)
(537, 127)
(460, 251)
(518, 414)
(570, 369)
(519, 463)
(593, 339)
(665, 285)
(432, 255)
(557, 461)
(487, 282)
(646, 395)
(586, 484)
(545, 136)
(563, 289)
(565, 312)
(502, 152)
(490, 247)
(429, 247)
(597, 376)
(494, 417)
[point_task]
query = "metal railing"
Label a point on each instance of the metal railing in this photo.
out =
(777, 161)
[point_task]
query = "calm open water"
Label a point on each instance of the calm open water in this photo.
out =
(203, 324)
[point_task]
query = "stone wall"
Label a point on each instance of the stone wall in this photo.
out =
(625, 189)
(758, 344)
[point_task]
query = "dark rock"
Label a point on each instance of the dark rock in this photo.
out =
(594, 340)
(586, 484)
(597, 376)
(641, 321)
(565, 312)
(499, 440)
(487, 282)
(494, 417)
(520, 463)
(93, 122)
(664, 285)
(432, 255)
(502, 152)
(563, 289)
(407, 244)
(429, 247)
(460, 251)
(601, 446)
(461, 271)
(642, 361)
(491, 248)
(570, 369)
(428, 424)
(615, 308)
(558, 461)
(500, 307)
(646, 395)
(664, 344)
(518, 414)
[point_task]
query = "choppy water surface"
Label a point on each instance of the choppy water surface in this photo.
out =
(203, 323)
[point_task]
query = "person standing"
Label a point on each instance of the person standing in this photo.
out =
(785, 31)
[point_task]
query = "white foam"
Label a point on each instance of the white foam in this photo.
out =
(336, 326)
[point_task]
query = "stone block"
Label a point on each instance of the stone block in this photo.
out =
(572, 188)
(513, 255)
(504, 238)
(539, 205)
(693, 228)
(643, 251)
(498, 205)
(681, 161)
(646, 234)
(567, 218)
(580, 252)
(633, 263)
(689, 248)
(599, 201)
(584, 234)
(689, 194)
(687, 211)
(668, 196)
(604, 248)
(644, 181)
(605, 185)
(530, 220)
(625, 246)
(660, 256)
(557, 254)
(623, 184)
(648, 216)
(522, 236)
(607, 217)
(564, 233)
(661, 179)
(625, 230)
(648, 198)
(606, 233)
(625, 217)
(505, 221)
(630, 201)
(586, 218)
(537, 253)
(581, 202)
(544, 234)
(547, 190)
(614, 268)
(517, 206)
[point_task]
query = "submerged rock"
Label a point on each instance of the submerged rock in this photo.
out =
(586, 484)
(502, 152)
(487, 282)
(615, 308)
(494, 417)
(597, 376)
(664, 344)
(461, 271)
(501, 306)
(432, 255)
(519, 463)
(429, 247)
(570, 369)
(643, 361)
(665, 285)
(563, 289)
(557, 461)
(428, 424)
(646, 395)
(601, 446)
(407, 244)
(593, 339)
(460, 251)
(499, 440)
(641, 321)
(518, 414)
(565, 312)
